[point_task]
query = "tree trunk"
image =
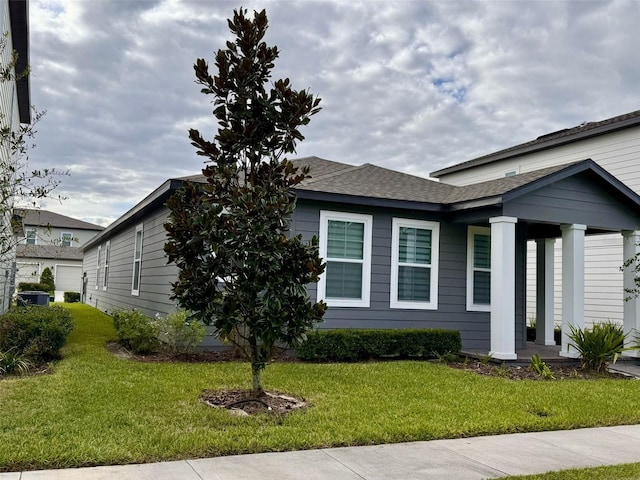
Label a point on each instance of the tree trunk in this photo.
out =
(256, 373)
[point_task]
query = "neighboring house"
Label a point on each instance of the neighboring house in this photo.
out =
(52, 240)
(15, 108)
(403, 251)
(614, 144)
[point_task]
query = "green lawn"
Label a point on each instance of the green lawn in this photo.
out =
(629, 471)
(97, 409)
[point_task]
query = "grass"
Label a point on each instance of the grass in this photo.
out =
(630, 471)
(96, 409)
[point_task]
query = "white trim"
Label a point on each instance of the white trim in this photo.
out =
(471, 231)
(367, 221)
(136, 291)
(434, 227)
(107, 253)
(98, 260)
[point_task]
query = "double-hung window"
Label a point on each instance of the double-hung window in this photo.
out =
(31, 236)
(414, 264)
(98, 264)
(479, 269)
(137, 262)
(345, 245)
(107, 252)
(66, 238)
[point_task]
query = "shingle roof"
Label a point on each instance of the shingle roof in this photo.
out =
(371, 181)
(49, 251)
(45, 218)
(550, 140)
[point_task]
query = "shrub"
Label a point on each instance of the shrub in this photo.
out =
(603, 343)
(359, 344)
(32, 287)
(541, 368)
(46, 279)
(136, 331)
(35, 332)
(71, 297)
(179, 333)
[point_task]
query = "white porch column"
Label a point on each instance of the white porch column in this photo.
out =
(572, 283)
(503, 297)
(544, 291)
(631, 307)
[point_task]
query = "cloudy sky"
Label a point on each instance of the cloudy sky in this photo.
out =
(409, 85)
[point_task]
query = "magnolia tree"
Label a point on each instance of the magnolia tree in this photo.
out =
(240, 269)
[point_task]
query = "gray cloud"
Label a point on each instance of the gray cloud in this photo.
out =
(410, 85)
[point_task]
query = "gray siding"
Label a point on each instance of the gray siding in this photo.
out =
(156, 275)
(451, 313)
(577, 199)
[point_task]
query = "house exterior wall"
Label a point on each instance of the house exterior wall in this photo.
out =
(619, 154)
(451, 312)
(9, 115)
(155, 275)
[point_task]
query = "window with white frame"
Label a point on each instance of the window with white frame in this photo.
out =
(137, 262)
(345, 245)
(98, 262)
(66, 238)
(30, 236)
(479, 269)
(414, 264)
(107, 252)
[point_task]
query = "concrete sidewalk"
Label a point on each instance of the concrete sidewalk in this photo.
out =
(460, 459)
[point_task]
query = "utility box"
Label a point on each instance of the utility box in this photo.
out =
(33, 298)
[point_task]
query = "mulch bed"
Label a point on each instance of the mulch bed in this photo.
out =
(526, 373)
(245, 403)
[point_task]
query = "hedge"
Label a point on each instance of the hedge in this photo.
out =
(37, 332)
(355, 345)
(71, 297)
(32, 287)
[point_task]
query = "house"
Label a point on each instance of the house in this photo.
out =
(52, 240)
(614, 144)
(404, 251)
(15, 108)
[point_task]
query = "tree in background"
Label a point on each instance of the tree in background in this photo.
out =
(46, 279)
(240, 269)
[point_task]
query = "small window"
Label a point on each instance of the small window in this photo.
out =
(31, 236)
(345, 245)
(479, 269)
(137, 262)
(414, 264)
(98, 262)
(510, 173)
(66, 239)
(107, 251)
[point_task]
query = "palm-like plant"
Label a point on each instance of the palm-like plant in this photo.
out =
(599, 345)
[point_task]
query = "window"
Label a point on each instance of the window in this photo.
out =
(479, 269)
(66, 239)
(137, 262)
(31, 236)
(345, 245)
(107, 250)
(98, 261)
(414, 264)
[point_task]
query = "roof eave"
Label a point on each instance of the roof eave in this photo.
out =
(151, 201)
(368, 201)
(552, 143)
(19, 18)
